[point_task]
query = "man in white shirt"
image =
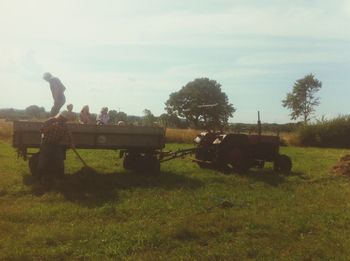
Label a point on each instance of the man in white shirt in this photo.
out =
(57, 90)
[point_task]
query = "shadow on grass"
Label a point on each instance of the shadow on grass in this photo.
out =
(91, 188)
(269, 176)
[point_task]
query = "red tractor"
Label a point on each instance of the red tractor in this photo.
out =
(240, 151)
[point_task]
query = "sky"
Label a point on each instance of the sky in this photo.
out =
(131, 55)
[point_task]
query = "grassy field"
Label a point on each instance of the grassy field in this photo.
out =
(185, 213)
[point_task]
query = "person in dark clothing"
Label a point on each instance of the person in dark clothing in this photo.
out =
(57, 90)
(55, 138)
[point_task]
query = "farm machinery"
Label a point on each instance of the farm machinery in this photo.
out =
(142, 147)
(240, 152)
(237, 152)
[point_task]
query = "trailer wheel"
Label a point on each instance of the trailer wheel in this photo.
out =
(238, 159)
(202, 165)
(260, 164)
(282, 163)
(156, 166)
(33, 163)
(141, 163)
(128, 162)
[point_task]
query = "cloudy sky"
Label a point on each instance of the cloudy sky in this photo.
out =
(130, 55)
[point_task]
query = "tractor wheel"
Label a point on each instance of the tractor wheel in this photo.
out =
(33, 164)
(282, 163)
(238, 159)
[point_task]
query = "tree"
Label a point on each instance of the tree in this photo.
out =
(34, 111)
(116, 116)
(148, 117)
(112, 116)
(202, 103)
(303, 100)
(121, 116)
(170, 120)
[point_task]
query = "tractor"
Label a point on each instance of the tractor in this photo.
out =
(240, 151)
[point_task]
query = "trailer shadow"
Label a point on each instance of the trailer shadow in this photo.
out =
(266, 175)
(92, 188)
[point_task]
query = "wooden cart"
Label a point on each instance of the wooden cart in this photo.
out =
(140, 146)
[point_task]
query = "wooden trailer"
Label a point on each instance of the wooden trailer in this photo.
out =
(140, 146)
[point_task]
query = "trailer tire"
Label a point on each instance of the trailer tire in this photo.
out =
(33, 164)
(202, 165)
(127, 162)
(282, 163)
(260, 164)
(156, 166)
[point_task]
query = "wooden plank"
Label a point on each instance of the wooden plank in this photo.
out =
(27, 134)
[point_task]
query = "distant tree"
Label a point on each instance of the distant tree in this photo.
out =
(148, 117)
(115, 116)
(34, 111)
(134, 120)
(170, 120)
(112, 116)
(202, 103)
(303, 100)
(121, 116)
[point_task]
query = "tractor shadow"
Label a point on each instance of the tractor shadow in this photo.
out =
(269, 176)
(265, 175)
(91, 188)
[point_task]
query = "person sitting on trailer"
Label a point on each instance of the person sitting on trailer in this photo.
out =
(85, 116)
(72, 115)
(103, 117)
(55, 137)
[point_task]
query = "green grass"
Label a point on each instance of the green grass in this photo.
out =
(186, 213)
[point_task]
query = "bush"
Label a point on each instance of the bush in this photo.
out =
(326, 133)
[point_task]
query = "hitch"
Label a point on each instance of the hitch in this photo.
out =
(169, 155)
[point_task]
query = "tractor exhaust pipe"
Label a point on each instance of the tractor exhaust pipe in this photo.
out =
(259, 124)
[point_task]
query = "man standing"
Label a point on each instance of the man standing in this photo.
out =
(57, 90)
(55, 138)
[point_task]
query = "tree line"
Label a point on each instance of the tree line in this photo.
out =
(201, 104)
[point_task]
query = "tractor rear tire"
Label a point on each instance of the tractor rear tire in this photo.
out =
(283, 164)
(239, 160)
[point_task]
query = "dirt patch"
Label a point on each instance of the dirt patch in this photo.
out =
(342, 167)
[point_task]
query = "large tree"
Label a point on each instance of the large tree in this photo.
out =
(303, 100)
(202, 103)
(35, 111)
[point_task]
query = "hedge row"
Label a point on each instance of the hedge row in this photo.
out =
(328, 133)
